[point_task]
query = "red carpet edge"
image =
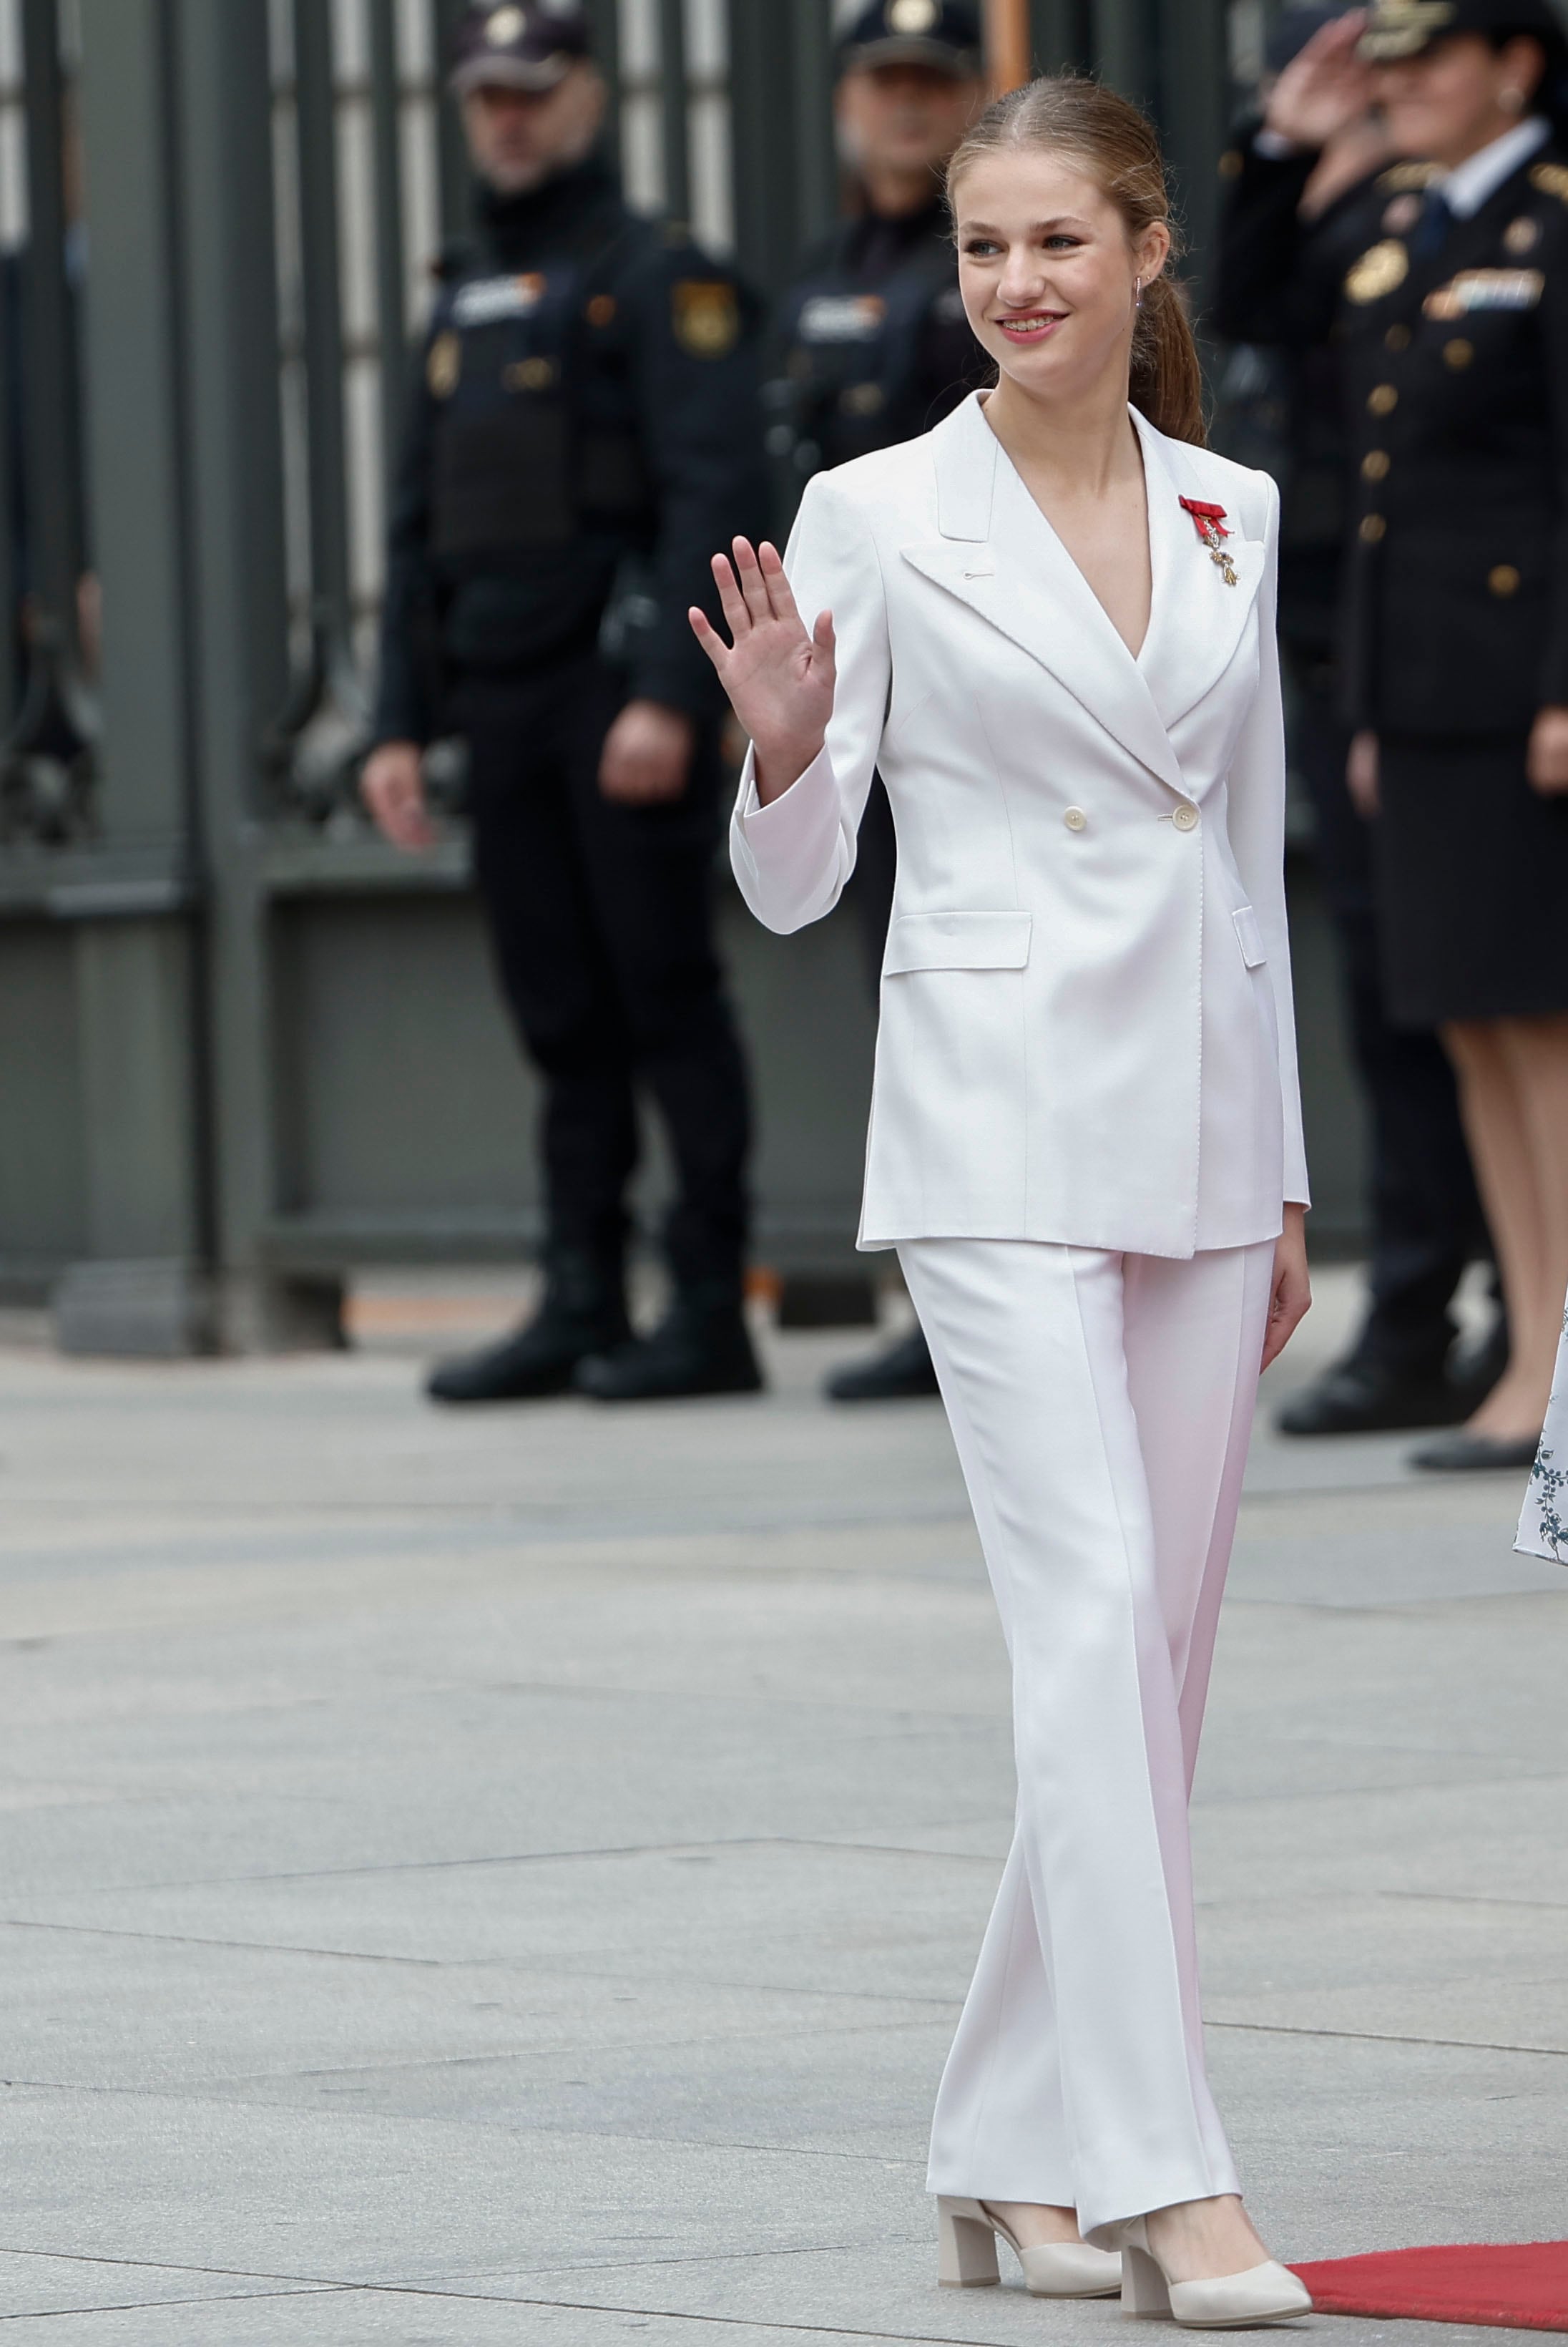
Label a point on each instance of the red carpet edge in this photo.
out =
(1520, 2286)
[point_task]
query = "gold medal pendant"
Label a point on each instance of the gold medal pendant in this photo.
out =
(1209, 523)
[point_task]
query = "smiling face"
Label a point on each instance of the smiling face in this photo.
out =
(1049, 271)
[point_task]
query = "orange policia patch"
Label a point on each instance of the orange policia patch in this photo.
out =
(706, 316)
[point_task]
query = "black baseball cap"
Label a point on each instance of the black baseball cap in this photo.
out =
(943, 33)
(520, 45)
(1396, 29)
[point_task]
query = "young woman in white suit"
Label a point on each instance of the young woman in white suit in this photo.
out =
(1049, 624)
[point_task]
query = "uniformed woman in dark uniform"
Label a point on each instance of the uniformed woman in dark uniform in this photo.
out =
(1453, 320)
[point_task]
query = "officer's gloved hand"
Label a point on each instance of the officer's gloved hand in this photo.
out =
(393, 788)
(647, 754)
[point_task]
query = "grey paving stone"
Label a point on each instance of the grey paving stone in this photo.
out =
(54, 2285)
(513, 1877)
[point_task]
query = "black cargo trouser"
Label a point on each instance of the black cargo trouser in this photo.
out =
(601, 922)
(1426, 1215)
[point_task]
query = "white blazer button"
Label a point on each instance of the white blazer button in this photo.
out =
(1185, 818)
(1075, 819)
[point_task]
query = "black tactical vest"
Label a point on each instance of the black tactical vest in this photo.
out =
(535, 439)
(851, 373)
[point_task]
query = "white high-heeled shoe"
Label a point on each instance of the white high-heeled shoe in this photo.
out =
(967, 2233)
(1266, 2294)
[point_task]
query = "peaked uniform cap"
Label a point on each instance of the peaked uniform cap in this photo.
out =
(529, 45)
(943, 33)
(1396, 29)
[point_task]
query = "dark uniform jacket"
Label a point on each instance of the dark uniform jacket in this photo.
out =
(1282, 410)
(586, 435)
(870, 346)
(1454, 365)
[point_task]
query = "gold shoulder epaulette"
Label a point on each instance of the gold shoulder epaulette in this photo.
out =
(1552, 179)
(1399, 178)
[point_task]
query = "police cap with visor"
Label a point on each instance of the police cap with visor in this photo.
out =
(528, 44)
(1398, 29)
(943, 33)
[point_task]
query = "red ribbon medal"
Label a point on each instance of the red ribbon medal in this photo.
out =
(1209, 523)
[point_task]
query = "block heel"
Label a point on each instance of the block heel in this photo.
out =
(966, 2246)
(968, 2232)
(1144, 2290)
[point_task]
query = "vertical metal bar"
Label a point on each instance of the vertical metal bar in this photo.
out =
(12, 463)
(238, 589)
(1195, 89)
(1125, 48)
(1008, 44)
(451, 149)
(762, 97)
(817, 163)
(673, 108)
(315, 115)
(1063, 36)
(48, 338)
(605, 16)
(143, 1053)
(392, 318)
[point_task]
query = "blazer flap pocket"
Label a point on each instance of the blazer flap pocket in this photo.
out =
(958, 941)
(1251, 937)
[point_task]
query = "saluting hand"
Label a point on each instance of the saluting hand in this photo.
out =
(1325, 87)
(779, 679)
(1547, 765)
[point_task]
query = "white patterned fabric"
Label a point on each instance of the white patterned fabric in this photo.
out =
(1543, 1525)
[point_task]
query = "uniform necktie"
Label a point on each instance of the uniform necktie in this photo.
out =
(1431, 229)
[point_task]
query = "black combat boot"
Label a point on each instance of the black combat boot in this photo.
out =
(584, 1312)
(903, 1372)
(1362, 1395)
(702, 1345)
(1366, 1394)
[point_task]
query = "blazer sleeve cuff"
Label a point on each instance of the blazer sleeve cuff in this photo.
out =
(1298, 1189)
(789, 856)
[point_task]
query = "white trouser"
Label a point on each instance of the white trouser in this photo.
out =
(1101, 1405)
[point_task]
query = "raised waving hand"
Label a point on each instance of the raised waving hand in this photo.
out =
(779, 677)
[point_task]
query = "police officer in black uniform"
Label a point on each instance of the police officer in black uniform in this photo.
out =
(586, 430)
(1401, 1370)
(870, 346)
(1452, 318)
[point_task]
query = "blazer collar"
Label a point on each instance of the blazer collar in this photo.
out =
(1000, 554)
(1197, 620)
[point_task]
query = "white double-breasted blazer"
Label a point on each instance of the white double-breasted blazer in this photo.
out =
(1086, 1032)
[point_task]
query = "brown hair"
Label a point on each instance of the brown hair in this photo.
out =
(1117, 146)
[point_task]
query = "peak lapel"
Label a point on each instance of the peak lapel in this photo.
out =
(1000, 556)
(1197, 620)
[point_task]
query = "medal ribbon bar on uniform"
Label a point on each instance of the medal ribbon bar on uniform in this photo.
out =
(1209, 523)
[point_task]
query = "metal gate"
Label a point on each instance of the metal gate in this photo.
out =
(243, 1045)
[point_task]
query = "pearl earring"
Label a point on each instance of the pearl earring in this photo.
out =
(1138, 294)
(1511, 101)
